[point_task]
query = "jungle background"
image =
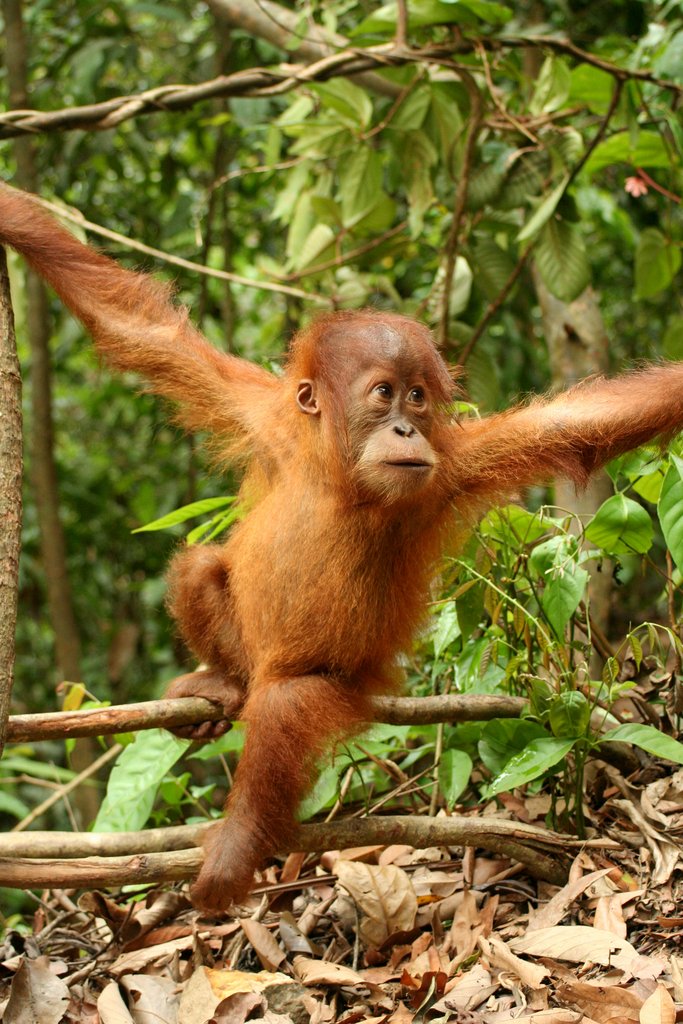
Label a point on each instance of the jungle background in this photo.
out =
(509, 174)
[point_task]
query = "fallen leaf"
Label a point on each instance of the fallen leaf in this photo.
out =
(384, 897)
(609, 915)
(37, 996)
(577, 943)
(658, 1009)
(264, 943)
(151, 999)
(500, 956)
(601, 1002)
(320, 972)
(111, 1007)
(555, 909)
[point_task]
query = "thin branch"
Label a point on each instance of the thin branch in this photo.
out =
(493, 308)
(178, 261)
(63, 791)
(460, 201)
(171, 714)
(402, 23)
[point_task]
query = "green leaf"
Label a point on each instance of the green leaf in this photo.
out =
(564, 581)
(422, 13)
(544, 212)
(670, 510)
(669, 64)
(412, 112)
(621, 526)
(592, 87)
(560, 256)
(349, 100)
(12, 805)
(539, 757)
(504, 738)
(647, 738)
(672, 344)
(445, 630)
(455, 768)
(135, 778)
(181, 515)
(319, 239)
(649, 150)
(552, 86)
(657, 262)
(492, 267)
(360, 182)
(570, 714)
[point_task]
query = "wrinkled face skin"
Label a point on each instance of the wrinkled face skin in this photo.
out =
(389, 412)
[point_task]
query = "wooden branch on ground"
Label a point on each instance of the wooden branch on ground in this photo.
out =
(169, 854)
(169, 714)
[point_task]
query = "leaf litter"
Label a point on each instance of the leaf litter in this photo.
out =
(382, 935)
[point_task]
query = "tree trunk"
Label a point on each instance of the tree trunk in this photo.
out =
(578, 347)
(43, 468)
(10, 494)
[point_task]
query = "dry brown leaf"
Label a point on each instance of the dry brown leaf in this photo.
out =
(139, 959)
(37, 996)
(264, 943)
(551, 1016)
(151, 999)
(677, 977)
(555, 909)
(500, 956)
(467, 991)
(465, 928)
(577, 943)
(601, 1002)
(320, 972)
(384, 896)
(658, 1009)
(111, 1007)
(609, 915)
(238, 1007)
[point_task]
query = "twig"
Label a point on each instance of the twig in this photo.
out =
(63, 791)
(460, 200)
(178, 261)
(493, 308)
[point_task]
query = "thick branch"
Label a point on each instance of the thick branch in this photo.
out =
(162, 855)
(283, 78)
(169, 714)
(251, 82)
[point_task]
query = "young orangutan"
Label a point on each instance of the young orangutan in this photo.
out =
(356, 476)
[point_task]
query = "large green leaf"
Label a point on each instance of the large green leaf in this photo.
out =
(135, 778)
(648, 150)
(422, 13)
(544, 212)
(647, 738)
(561, 259)
(504, 738)
(552, 86)
(455, 768)
(670, 510)
(360, 182)
(539, 757)
(564, 581)
(621, 526)
(492, 266)
(349, 100)
(569, 715)
(657, 262)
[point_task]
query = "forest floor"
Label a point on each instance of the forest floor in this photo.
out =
(385, 935)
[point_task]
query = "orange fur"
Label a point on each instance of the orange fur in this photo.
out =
(308, 606)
